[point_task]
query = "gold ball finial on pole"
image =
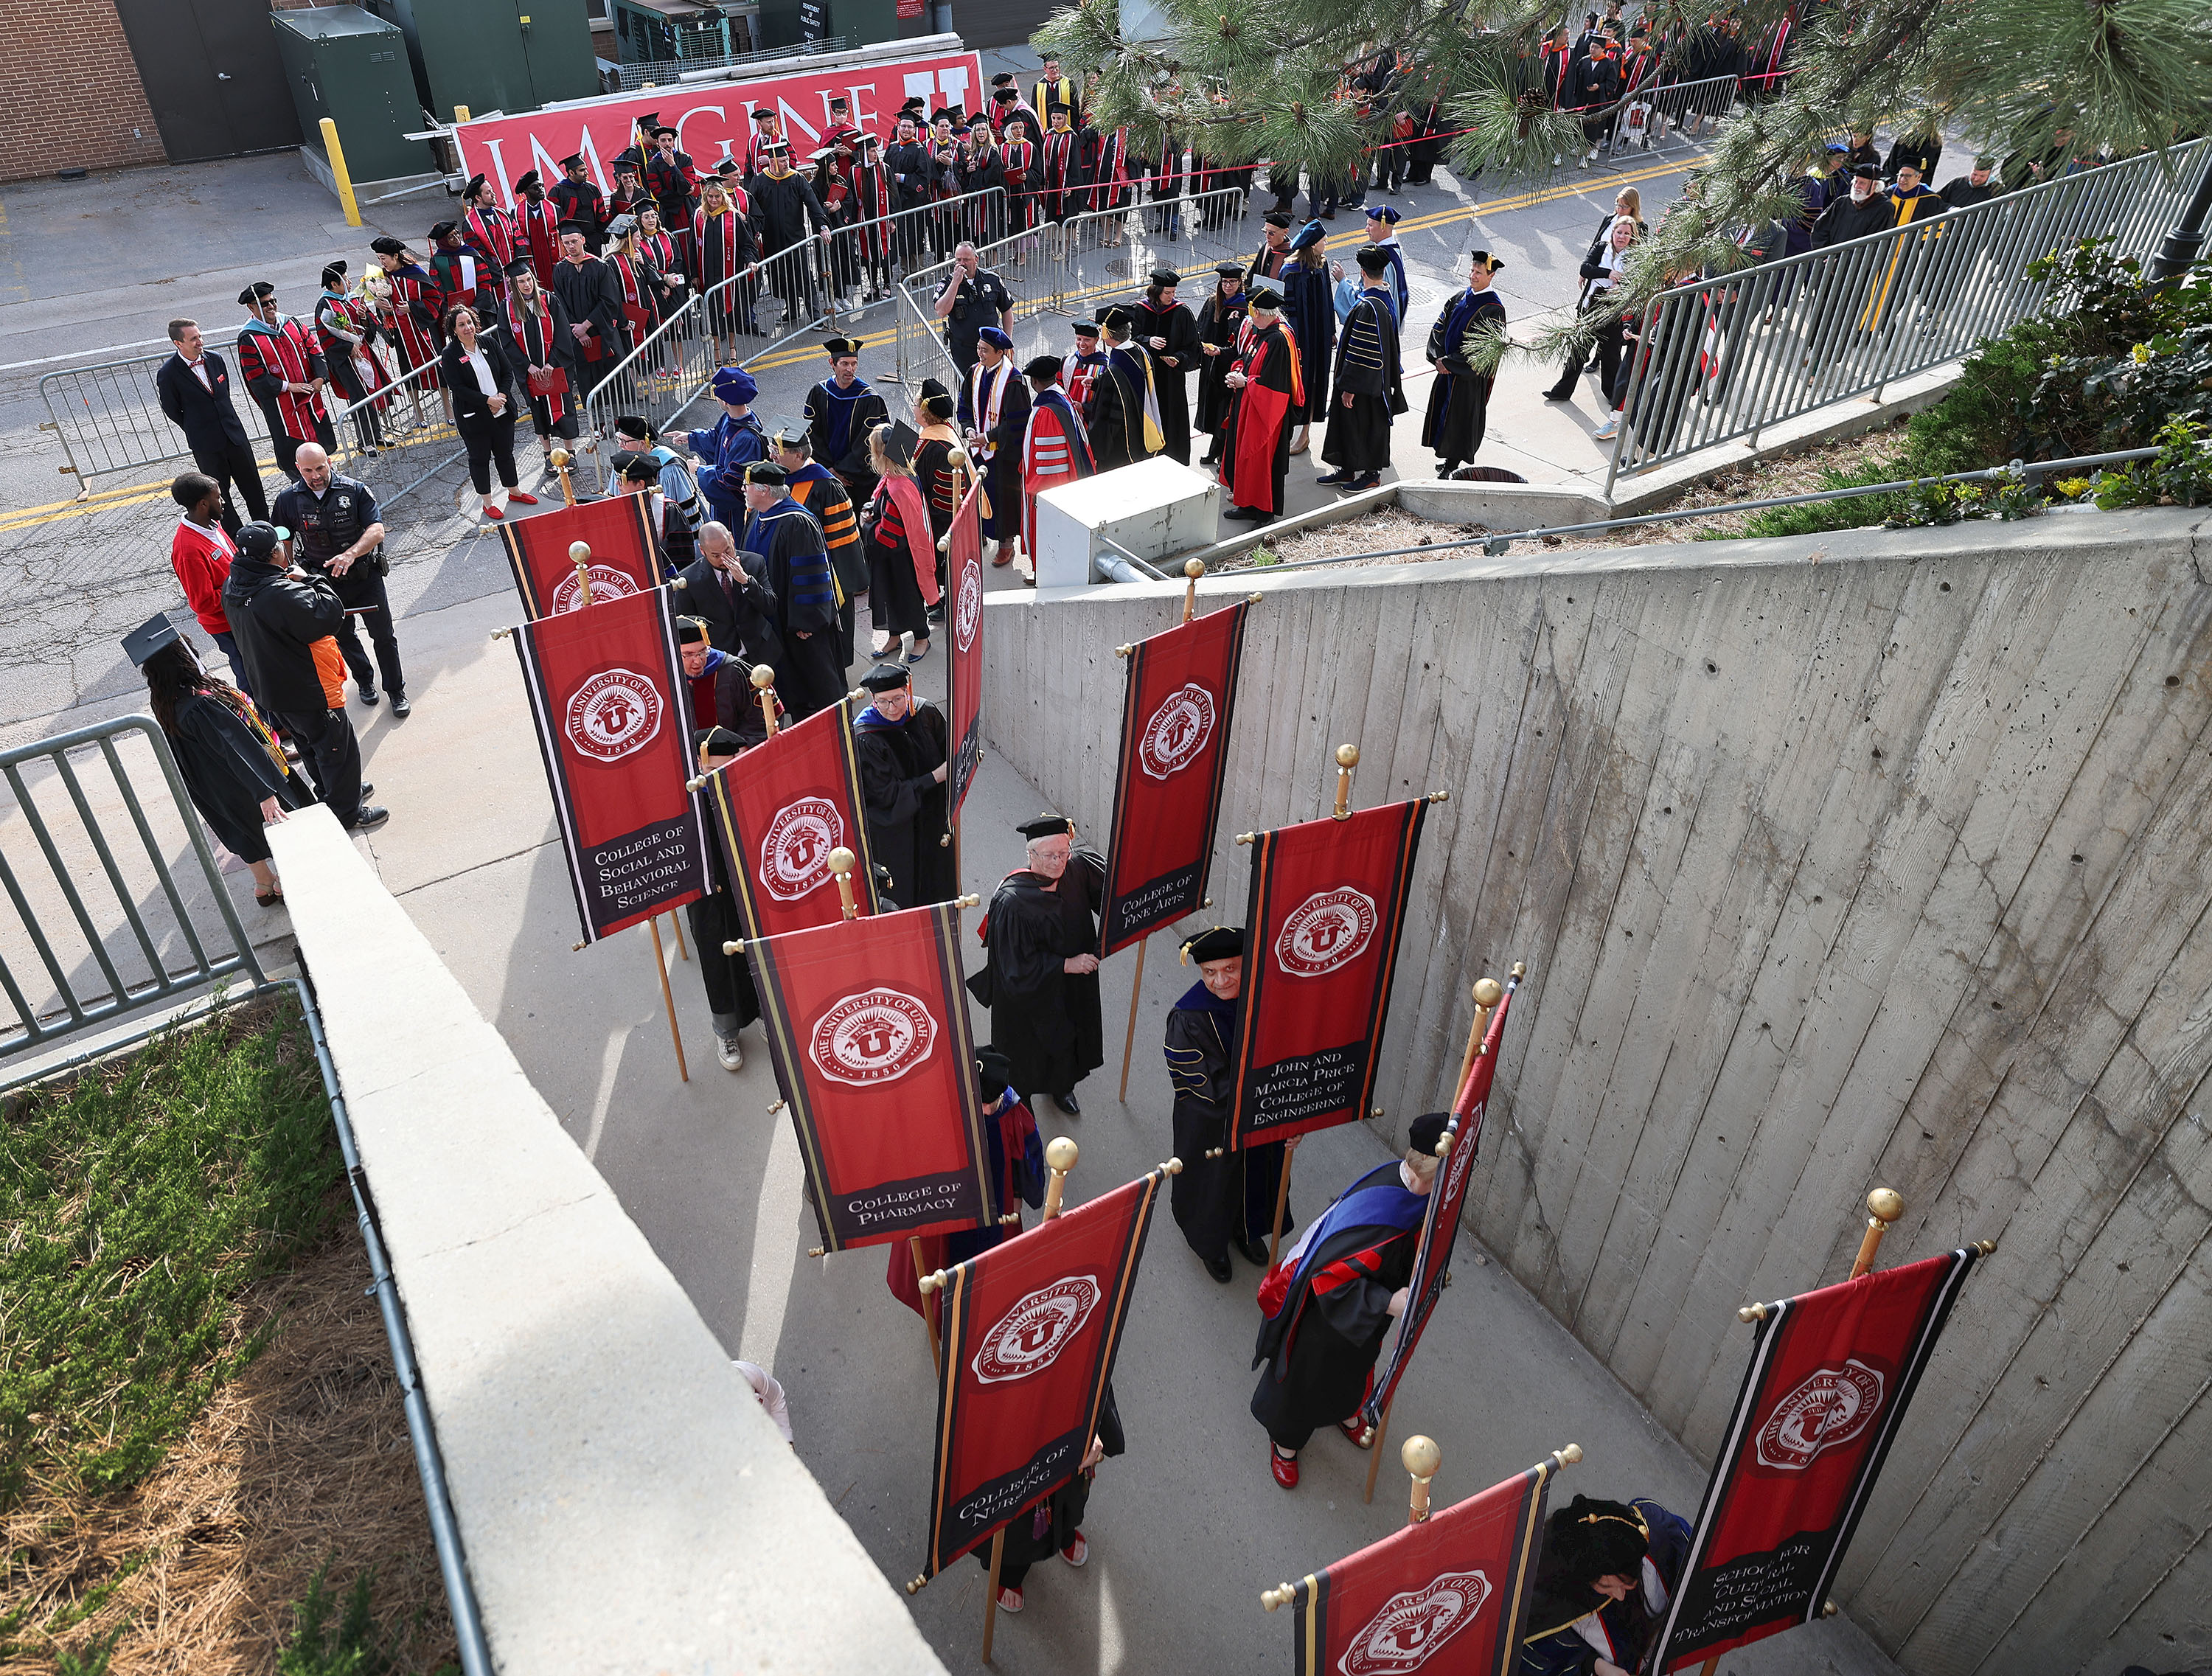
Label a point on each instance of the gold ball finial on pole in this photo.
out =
(1194, 569)
(1348, 756)
(1570, 1456)
(579, 552)
(764, 680)
(1347, 759)
(1885, 1205)
(1488, 993)
(560, 459)
(841, 867)
(1060, 1155)
(1421, 1458)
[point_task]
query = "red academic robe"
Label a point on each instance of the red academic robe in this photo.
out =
(285, 356)
(1274, 386)
(539, 226)
(1055, 450)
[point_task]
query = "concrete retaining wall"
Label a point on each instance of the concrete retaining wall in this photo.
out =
(624, 1503)
(1868, 859)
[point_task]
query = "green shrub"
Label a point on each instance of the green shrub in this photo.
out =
(353, 1646)
(1819, 517)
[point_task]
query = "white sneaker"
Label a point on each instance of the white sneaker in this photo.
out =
(1608, 430)
(730, 1051)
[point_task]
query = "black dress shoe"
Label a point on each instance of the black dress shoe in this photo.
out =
(371, 819)
(1255, 1251)
(367, 789)
(1219, 1269)
(400, 705)
(1247, 515)
(1067, 1103)
(1556, 394)
(368, 694)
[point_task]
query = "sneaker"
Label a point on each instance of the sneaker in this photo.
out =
(1010, 1599)
(371, 817)
(730, 1051)
(1076, 1551)
(1336, 477)
(368, 694)
(1608, 430)
(401, 704)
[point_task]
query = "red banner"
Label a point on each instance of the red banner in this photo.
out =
(619, 533)
(1440, 1228)
(714, 119)
(1443, 1596)
(1176, 712)
(1029, 1329)
(781, 809)
(1831, 1374)
(611, 711)
(867, 1025)
(965, 559)
(1329, 900)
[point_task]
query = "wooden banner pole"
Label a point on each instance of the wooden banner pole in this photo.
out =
(1347, 759)
(1282, 1200)
(764, 680)
(842, 862)
(1884, 1207)
(1488, 991)
(667, 997)
(559, 459)
(580, 555)
(1136, 988)
(1421, 1458)
(1194, 569)
(1060, 1157)
(929, 1305)
(1375, 1447)
(676, 925)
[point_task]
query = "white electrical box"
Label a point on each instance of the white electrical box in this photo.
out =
(1151, 510)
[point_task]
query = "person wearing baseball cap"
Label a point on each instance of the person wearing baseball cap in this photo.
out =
(901, 746)
(1315, 1365)
(1039, 929)
(279, 617)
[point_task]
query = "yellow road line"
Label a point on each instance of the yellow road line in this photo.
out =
(107, 499)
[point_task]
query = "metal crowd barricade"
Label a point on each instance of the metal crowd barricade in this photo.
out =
(1668, 118)
(109, 419)
(1725, 357)
(92, 970)
(414, 435)
(1149, 240)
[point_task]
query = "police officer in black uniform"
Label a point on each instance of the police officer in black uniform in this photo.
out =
(338, 533)
(973, 297)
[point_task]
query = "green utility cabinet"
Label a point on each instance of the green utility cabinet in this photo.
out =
(496, 55)
(341, 63)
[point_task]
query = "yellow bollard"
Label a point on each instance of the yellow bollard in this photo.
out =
(460, 114)
(335, 153)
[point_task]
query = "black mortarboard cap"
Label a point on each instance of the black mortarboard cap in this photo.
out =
(1267, 296)
(519, 266)
(994, 1072)
(1426, 1131)
(792, 434)
(1166, 276)
(691, 630)
(1221, 942)
(574, 161)
(1114, 318)
(1048, 825)
(716, 742)
(634, 424)
(577, 228)
(843, 346)
(650, 122)
(1494, 264)
(1866, 172)
(898, 440)
(1043, 367)
(931, 387)
(766, 471)
(253, 293)
(665, 130)
(150, 637)
(640, 468)
(533, 178)
(626, 162)
(727, 168)
(886, 678)
(1372, 260)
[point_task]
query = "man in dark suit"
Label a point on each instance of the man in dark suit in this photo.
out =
(738, 606)
(194, 386)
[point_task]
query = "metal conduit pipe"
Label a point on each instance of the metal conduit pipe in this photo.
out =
(1128, 568)
(445, 1534)
(1499, 544)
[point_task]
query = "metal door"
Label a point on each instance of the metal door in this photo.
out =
(212, 76)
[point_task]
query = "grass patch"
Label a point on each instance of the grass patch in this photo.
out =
(137, 1202)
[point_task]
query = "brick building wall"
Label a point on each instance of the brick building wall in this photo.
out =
(74, 97)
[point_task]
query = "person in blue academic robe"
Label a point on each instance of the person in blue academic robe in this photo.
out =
(724, 450)
(1309, 310)
(1383, 233)
(840, 411)
(1459, 397)
(1330, 1303)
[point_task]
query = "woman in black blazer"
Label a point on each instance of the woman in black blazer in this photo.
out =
(470, 363)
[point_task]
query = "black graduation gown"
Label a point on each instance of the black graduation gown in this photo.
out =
(227, 771)
(1115, 413)
(1219, 318)
(1458, 396)
(1171, 384)
(1367, 370)
(1316, 1353)
(715, 919)
(810, 675)
(1044, 1019)
(905, 804)
(1231, 1199)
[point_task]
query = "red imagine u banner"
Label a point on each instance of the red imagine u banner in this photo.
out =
(1443, 1596)
(609, 705)
(965, 558)
(1029, 1330)
(781, 808)
(1440, 1231)
(1831, 1374)
(714, 118)
(1329, 900)
(619, 533)
(867, 1025)
(1176, 712)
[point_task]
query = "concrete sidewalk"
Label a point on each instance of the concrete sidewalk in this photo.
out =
(1185, 1530)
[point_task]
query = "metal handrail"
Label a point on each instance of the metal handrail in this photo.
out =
(122, 996)
(1727, 356)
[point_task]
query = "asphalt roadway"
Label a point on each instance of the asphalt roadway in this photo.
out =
(1188, 1527)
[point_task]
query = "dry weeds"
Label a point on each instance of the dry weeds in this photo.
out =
(304, 1457)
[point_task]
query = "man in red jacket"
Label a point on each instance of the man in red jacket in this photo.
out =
(201, 552)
